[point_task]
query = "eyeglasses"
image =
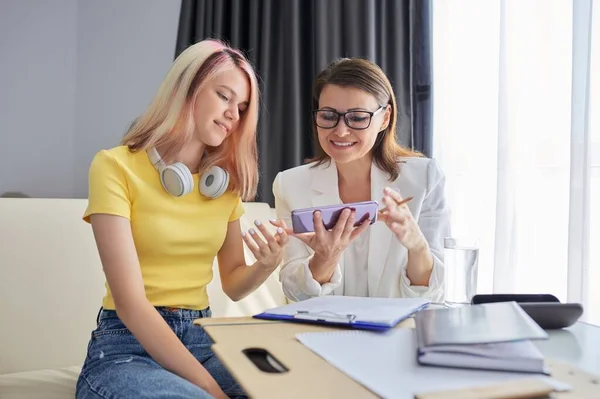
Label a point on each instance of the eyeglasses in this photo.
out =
(358, 120)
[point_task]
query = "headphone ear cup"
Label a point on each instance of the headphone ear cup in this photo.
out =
(177, 179)
(214, 182)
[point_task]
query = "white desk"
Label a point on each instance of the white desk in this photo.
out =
(313, 376)
(578, 345)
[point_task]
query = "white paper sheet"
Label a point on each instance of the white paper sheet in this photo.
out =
(386, 363)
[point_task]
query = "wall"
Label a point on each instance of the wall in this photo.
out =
(74, 74)
(37, 96)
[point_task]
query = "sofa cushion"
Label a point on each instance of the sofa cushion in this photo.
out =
(43, 384)
(45, 245)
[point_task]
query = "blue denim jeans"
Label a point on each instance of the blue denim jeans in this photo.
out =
(117, 366)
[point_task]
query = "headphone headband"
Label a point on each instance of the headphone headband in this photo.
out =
(155, 158)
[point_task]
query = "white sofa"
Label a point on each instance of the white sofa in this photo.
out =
(51, 286)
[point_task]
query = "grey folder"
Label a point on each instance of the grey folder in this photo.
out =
(493, 336)
(476, 324)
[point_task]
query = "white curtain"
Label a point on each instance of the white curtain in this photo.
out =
(517, 131)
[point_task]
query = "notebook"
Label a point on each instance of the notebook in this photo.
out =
(362, 313)
(494, 336)
(476, 324)
(385, 363)
(520, 356)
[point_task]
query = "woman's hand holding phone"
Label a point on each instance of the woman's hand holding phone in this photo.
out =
(328, 245)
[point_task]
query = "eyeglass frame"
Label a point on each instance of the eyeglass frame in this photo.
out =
(343, 114)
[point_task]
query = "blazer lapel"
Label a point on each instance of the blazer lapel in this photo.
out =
(380, 236)
(325, 191)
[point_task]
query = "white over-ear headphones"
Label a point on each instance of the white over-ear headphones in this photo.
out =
(177, 179)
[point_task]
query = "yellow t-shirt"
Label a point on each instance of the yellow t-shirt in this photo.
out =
(176, 238)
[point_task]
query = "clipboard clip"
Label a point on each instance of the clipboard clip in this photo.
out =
(325, 316)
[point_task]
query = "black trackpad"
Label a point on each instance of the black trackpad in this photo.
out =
(545, 309)
(553, 315)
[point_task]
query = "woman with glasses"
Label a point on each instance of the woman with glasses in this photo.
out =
(359, 159)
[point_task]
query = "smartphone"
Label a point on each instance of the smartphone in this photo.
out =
(302, 219)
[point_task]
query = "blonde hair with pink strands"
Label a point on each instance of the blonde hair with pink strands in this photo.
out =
(169, 119)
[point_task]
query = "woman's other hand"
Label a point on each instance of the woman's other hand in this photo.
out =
(399, 219)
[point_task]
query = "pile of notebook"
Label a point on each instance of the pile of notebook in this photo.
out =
(493, 336)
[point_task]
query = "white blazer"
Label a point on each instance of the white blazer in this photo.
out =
(305, 186)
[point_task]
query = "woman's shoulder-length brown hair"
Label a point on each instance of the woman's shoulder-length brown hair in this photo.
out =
(364, 75)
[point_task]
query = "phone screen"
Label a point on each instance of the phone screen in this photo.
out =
(303, 222)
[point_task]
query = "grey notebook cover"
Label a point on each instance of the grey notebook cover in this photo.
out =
(476, 324)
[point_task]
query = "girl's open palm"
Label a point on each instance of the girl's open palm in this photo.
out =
(268, 249)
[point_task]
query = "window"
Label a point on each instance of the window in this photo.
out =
(509, 133)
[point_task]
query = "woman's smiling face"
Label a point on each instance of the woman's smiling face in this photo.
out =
(342, 143)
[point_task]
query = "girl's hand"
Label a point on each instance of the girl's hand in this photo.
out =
(266, 247)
